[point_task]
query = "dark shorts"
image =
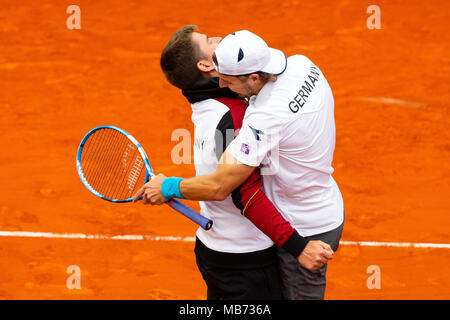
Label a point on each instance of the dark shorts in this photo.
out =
(239, 276)
(299, 283)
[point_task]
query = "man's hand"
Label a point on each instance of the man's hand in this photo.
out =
(315, 255)
(151, 191)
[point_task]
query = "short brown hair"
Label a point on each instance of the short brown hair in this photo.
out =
(179, 58)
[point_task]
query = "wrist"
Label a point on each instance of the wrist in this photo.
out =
(170, 188)
(295, 244)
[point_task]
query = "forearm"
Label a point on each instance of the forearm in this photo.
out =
(216, 186)
(204, 188)
(262, 213)
(254, 205)
(212, 187)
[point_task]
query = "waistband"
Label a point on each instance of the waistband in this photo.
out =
(248, 260)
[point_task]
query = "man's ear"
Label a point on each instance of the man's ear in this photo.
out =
(205, 66)
(254, 77)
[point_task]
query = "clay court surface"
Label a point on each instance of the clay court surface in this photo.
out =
(391, 89)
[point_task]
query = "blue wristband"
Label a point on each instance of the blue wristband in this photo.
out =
(170, 188)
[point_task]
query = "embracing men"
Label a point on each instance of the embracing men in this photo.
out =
(286, 134)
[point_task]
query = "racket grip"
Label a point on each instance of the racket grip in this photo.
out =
(202, 221)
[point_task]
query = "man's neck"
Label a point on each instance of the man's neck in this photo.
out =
(258, 87)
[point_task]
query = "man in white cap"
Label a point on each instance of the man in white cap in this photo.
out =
(289, 129)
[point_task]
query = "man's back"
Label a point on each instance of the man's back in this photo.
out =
(232, 232)
(292, 120)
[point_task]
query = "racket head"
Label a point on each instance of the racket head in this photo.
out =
(112, 164)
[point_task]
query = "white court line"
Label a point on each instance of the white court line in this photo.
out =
(395, 244)
(28, 234)
(385, 100)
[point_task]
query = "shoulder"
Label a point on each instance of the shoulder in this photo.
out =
(208, 111)
(276, 93)
(235, 113)
(237, 107)
(280, 101)
(298, 61)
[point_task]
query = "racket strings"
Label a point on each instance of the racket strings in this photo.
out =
(128, 155)
(98, 156)
(102, 147)
(114, 171)
(90, 158)
(112, 164)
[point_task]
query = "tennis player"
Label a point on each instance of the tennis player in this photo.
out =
(289, 126)
(236, 259)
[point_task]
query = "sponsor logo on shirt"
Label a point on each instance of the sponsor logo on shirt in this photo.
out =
(256, 133)
(245, 148)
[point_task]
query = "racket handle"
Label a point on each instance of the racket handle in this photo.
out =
(202, 221)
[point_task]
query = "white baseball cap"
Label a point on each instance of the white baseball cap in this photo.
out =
(243, 52)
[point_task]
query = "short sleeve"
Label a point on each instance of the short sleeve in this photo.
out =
(259, 135)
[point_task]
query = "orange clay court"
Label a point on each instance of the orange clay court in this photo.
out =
(391, 89)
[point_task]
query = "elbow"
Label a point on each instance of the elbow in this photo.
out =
(220, 186)
(221, 196)
(218, 193)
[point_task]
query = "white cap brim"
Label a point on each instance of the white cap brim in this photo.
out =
(277, 64)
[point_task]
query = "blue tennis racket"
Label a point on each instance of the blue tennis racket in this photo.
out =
(113, 166)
